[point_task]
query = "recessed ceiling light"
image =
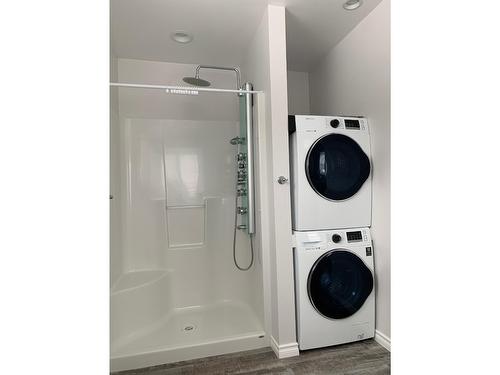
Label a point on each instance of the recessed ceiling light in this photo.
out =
(181, 36)
(352, 4)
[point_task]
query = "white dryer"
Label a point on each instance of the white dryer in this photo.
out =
(330, 172)
(334, 287)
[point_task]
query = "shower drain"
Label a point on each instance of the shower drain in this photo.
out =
(189, 328)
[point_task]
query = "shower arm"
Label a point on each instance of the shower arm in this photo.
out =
(236, 70)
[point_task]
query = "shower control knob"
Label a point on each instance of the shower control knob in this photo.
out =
(241, 165)
(241, 227)
(241, 157)
(237, 140)
(242, 210)
(241, 192)
(336, 238)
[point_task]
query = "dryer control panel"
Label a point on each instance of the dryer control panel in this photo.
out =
(352, 124)
(318, 124)
(356, 236)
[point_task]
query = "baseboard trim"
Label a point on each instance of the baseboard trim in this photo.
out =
(383, 340)
(285, 350)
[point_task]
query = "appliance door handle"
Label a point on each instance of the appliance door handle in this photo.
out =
(282, 180)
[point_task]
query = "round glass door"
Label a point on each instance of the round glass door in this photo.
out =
(336, 167)
(339, 284)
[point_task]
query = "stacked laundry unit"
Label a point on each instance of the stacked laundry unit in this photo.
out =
(331, 211)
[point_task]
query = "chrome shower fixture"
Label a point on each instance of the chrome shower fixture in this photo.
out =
(241, 192)
(242, 210)
(197, 81)
(237, 140)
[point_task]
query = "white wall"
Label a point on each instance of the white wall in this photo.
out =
(265, 67)
(156, 104)
(354, 78)
(298, 93)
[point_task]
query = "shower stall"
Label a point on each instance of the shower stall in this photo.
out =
(186, 262)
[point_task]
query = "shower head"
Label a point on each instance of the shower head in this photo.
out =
(196, 81)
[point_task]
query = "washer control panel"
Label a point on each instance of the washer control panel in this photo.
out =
(315, 240)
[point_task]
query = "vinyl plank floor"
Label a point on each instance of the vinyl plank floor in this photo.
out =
(360, 358)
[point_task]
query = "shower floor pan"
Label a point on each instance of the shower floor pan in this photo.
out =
(189, 333)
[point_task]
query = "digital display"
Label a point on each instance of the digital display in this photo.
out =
(354, 236)
(351, 124)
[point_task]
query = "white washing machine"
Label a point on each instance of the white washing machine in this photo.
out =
(330, 172)
(334, 287)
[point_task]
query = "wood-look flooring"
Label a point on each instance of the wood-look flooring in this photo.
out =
(360, 358)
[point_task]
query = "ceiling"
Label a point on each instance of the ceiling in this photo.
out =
(313, 27)
(222, 29)
(140, 29)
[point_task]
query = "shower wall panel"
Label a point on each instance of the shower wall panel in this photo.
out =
(116, 234)
(180, 206)
(145, 225)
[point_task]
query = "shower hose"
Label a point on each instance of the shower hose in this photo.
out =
(234, 233)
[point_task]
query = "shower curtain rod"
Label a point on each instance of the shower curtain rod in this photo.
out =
(181, 88)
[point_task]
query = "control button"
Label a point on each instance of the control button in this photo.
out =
(336, 238)
(334, 123)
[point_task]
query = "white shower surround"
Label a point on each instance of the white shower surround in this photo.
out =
(176, 267)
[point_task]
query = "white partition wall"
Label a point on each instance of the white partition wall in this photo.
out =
(265, 66)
